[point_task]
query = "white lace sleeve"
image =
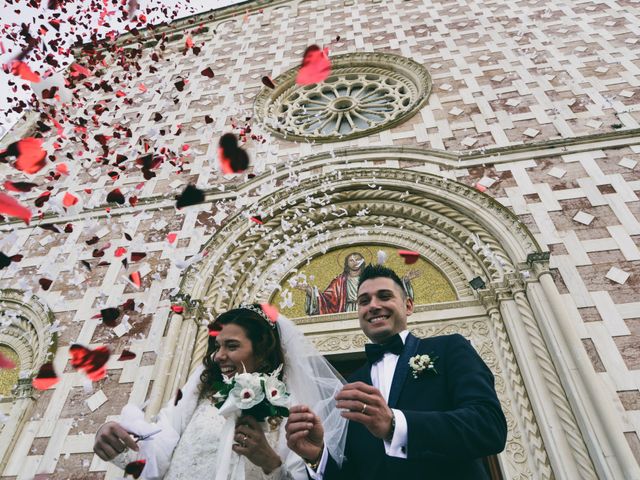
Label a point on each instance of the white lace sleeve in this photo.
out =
(171, 421)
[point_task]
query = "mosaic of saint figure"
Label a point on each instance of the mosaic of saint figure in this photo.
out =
(342, 292)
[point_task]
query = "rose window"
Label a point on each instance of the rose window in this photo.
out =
(365, 93)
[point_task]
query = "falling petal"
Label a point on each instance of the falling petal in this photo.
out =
(316, 66)
(10, 206)
(126, 355)
(410, 257)
(189, 196)
(46, 377)
(91, 362)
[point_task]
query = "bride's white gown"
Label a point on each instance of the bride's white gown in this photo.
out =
(189, 443)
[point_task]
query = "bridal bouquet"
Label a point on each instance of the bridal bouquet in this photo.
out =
(260, 395)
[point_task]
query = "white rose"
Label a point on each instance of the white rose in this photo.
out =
(247, 391)
(276, 392)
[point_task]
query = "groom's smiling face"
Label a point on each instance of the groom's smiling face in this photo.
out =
(382, 308)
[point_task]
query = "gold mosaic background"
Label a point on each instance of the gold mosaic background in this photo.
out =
(8, 378)
(430, 287)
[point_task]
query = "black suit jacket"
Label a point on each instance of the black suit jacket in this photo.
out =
(453, 418)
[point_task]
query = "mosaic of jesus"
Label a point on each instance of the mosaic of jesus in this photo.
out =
(329, 283)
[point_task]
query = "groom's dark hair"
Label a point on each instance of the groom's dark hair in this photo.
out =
(375, 271)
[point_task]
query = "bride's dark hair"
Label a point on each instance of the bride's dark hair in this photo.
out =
(265, 343)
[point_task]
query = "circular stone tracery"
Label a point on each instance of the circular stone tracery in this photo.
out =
(365, 93)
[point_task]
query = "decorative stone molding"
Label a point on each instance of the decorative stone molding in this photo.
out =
(365, 93)
(409, 206)
(27, 331)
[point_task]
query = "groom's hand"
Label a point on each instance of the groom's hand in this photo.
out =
(305, 435)
(366, 405)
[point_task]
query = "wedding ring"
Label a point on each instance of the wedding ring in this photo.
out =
(364, 408)
(243, 444)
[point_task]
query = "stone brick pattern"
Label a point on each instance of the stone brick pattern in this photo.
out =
(506, 74)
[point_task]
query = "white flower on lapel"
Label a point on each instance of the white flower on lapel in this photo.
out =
(421, 364)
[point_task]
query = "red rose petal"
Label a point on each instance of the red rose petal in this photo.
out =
(267, 82)
(126, 355)
(207, 72)
(410, 257)
(62, 168)
(257, 219)
(129, 305)
(316, 66)
(115, 196)
(109, 316)
(23, 71)
(135, 278)
(232, 158)
(79, 70)
(46, 377)
(135, 468)
(45, 283)
(10, 206)
(177, 308)
(91, 362)
(69, 199)
(42, 198)
(93, 240)
(120, 251)
(19, 186)
(30, 156)
(172, 237)
(4, 261)
(214, 329)
(136, 256)
(270, 311)
(6, 362)
(191, 195)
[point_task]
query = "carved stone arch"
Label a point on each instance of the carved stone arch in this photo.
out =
(242, 251)
(27, 331)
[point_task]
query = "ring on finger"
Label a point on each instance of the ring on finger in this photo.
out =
(243, 444)
(364, 408)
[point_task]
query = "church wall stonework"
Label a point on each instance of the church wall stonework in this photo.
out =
(535, 103)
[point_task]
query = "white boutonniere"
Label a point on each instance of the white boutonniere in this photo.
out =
(421, 364)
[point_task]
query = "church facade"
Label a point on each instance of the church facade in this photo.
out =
(498, 140)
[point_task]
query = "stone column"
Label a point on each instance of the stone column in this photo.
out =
(602, 428)
(163, 367)
(20, 413)
(173, 349)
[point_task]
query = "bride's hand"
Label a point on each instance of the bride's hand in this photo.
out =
(251, 442)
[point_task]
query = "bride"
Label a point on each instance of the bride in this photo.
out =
(193, 438)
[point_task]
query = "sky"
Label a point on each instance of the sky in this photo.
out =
(57, 23)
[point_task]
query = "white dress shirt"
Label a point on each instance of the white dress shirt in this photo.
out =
(381, 377)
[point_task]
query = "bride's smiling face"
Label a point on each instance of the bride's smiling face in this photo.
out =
(235, 351)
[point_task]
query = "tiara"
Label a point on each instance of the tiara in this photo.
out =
(259, 311)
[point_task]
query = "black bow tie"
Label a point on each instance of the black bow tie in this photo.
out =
(375, 351)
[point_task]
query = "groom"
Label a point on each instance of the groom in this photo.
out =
(435, 423)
